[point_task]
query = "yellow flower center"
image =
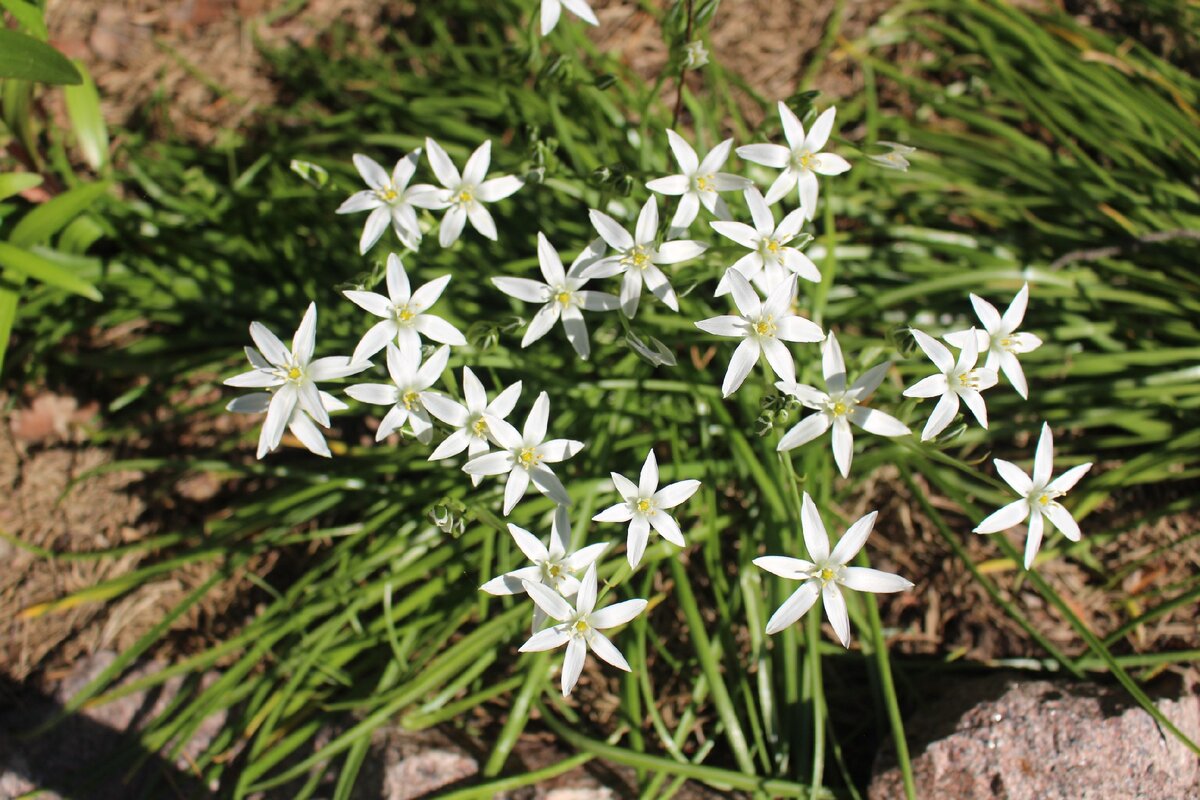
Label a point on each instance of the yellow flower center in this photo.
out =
(838, 408)
(404, 315)
(765, 327)
(581, 626)
(294, 374)
(563, 297)
(806, 160)
(480, 427)
(705, 183)
(772, 245)
(969, 379)
(644, 506)
(528, 458)
(410, 398)
(465, 196)
(387, 195)
(826, 575)
(637, 257)
(1044, 500)
(554, 570)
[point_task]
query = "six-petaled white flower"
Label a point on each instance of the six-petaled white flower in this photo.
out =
(763, 326)
(770, 260)
(699, 182)
(827, 572)
(1000, 338)
(404, 314)
(638, 258)
(958, 380)
(839, 406)
(802, 160)
(470, 429)
(292, 376)
(464, 195)
(579, 627)
(407, 393)
(552, 9)
(553, 566)
(389, 199)
(1039, 497)
(563, 295)
(644, 506)
(525, 455)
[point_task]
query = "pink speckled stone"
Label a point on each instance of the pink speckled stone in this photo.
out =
(999, 737)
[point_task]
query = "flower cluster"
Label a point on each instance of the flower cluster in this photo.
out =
(563, 579)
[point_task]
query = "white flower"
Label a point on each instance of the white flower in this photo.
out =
(551, 9)
(471, 431)
(465, 194)
(801, 161)
(403, 312)
(827, 573)
(695, 55)
(892, 155)
(763, 326)
(525, 456)
(838, 407)
(637, 258)
(292, 375)
(643, 505)
(390, 199)
(562, 294)
(407, 393)
(1039, 497)
(1001, 339)
(699, 182)
(957, 380)
(770, 260)
(579, 627)
(553, 567)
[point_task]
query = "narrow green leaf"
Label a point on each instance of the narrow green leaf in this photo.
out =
(25, 58)
(83, 107)
(38, 268)
(16, 182)
(28, 16)
(49, 218)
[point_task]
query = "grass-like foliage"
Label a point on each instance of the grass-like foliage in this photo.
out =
(1047, 153)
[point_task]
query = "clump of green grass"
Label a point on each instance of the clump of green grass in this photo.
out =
(1030, 157)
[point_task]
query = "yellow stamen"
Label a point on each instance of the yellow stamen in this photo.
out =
(637, 257)
(644, 506)
(773, 245)
(294, 374)
(564, 298)
(704, 183)
(388, 194)
(410, 398)
(465, 196)
(405, 315)
(1044, 500)
(765, 327)
(480, 427)
(826, 575)
(527, 457)
(838, 409)
(806, 160)
(555, 570)
(581, 626)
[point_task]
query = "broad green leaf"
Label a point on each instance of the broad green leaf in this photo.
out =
(25, 58)
(17, 182)
(38, 268)
(49, 218)
(28, 15)
(83, 107)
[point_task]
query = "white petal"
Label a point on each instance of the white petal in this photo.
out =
(443, 167)
(794, 607)
(510, 582)
(769, 155)
(685, 156)
(616, 614)
(830, 164)
(877, 422)
(359, 201)
(256, 403)
(609, 230)
(269, 345)
(1014, 476)
(1033, 542)
(673, 494)
(375, 339)
(489, 464)
(854, 539)
(724, 326)
(481, 220)
(647, 222)
(607, 651)
(1043, 460)
(793, 130)
(974, 401)
(452, 445)
(635, 542)
(375, 176)
(835, 611)
(784, 567)
(865, 579)
(549, 484)
(514, 489)
(572, 665)
(1014, 315)
(843, 446)
(943, 414)
(671, 185)
(453, 222)
(304, 429)
(1065, 482)
(254, 379)
(498, 188)
(815, 537)
(936, 351)
(1005, 518)
(1062, 519)
(668, 528)
(438, 330)
(621, 512)
(743, 360)
(804, 432)
(546, 640)
(377, 222)
(818, 135)
(931, 386)
(779, 358)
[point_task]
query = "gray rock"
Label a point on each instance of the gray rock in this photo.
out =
(1000, 737)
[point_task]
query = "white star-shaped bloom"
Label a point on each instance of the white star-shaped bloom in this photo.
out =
(958, 380)
(562, 294)
(1039, 497)
(801, 161)
(407, 393)
(827, 573)
(404, 314)
(389, 199)
(552, 9)
(292, 377)
(1000, 338)
(470, 429)
(770, 260)
(644, 506)
(839, 406)
(579, 627)
(525, 455)
(763, 327)
(638, 259)
(699, 182)
(553, 566)
(464, 195)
